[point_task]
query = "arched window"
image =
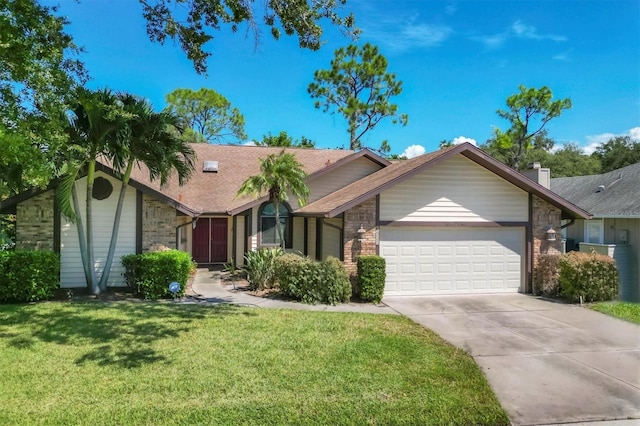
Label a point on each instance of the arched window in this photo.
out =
(267, 221)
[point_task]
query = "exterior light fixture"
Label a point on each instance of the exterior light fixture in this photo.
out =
(551, 234)
(361, 231)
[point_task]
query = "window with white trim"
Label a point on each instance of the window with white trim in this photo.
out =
(267, 220)
(594, 231)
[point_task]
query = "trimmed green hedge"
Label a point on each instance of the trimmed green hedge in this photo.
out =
(151, 273)
(312, 282)
(371, 278)
(590, 275)
(28, 276)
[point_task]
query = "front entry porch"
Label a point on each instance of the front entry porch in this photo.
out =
(210, 240)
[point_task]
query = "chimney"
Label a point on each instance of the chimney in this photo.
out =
(538, 174)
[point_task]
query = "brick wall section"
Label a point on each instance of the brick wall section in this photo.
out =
(34, 223)
(544, 216)
(158, 225)
(363, 214)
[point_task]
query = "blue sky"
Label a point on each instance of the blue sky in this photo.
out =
(458, 61)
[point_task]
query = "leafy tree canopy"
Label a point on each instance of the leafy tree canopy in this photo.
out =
(190, 22)
(618, 152)
(284, 140)
(209, 116)
(359, 87)
(38, 74)
(528, 112)
(568, 160)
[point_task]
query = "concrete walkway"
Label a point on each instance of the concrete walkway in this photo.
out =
(548, 363)
(207, 287)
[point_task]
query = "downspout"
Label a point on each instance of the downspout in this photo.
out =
(192, 222)
(571, 222)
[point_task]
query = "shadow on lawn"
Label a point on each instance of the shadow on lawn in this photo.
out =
(120, 334)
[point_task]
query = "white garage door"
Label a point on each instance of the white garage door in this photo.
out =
(424, 261)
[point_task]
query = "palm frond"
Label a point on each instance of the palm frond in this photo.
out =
(64, 190)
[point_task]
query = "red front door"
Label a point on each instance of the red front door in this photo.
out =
(218, 240)
(210, 240)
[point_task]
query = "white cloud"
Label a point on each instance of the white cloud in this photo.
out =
(493, 41)
(404, 34)
(450, 9)
(594, 141)
(522, 30)
(591, 148)
(600, 139)
(518, 30)
(250, 143)
(413, 151)
(462, 139)
(425, 35)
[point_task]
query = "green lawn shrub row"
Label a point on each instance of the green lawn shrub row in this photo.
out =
(311, 281)
(151, 273)
(28, 276)
(371, 278)
(592, 276)
(259, 266)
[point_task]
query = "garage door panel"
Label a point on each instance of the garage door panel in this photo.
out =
(424, 260)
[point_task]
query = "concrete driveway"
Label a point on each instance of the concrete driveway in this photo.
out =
(547, 362)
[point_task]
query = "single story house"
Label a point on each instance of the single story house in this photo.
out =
(613, 198)
(454, 221)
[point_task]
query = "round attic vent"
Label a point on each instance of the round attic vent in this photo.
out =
(102, 188)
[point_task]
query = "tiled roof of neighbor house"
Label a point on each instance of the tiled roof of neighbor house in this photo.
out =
(215, 192)
(611, 194)
(367, 187)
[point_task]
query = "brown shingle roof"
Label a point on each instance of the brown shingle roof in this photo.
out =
(208, 192)
(367, 187)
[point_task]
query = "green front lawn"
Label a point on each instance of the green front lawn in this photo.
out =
(159, 363)
(623, 310)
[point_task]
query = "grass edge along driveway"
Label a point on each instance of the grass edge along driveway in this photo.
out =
(158, 363)
(627, 311)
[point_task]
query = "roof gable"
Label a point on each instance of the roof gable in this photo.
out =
(215, 192)
(362, 190)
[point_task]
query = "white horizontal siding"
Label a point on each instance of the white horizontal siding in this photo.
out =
(71, 271)
(336, 179)
(457, 190)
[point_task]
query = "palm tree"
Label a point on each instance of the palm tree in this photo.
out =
(279, 175)
(150, 138)
(125, 130)
(94, 121)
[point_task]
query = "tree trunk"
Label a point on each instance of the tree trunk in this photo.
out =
(91, 172)
(279, 225)
(353, 143)
(116, 226)
(88, 276)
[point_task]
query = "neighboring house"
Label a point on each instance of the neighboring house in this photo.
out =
(450, 222)
(613, 199)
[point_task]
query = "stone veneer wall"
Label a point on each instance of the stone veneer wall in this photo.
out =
(544, 216)
(363, 214)
(158, 225)
(35, 223)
